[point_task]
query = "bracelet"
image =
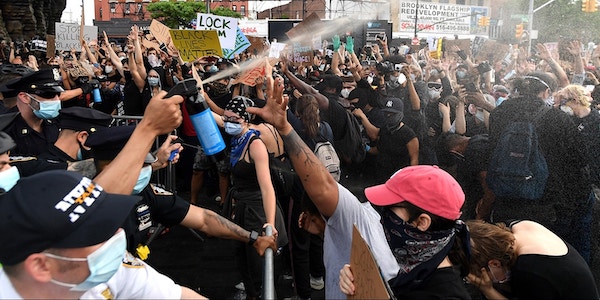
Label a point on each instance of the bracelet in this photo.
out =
(252, 237)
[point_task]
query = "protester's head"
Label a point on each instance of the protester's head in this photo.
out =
(153, 78)
(37, 94)
(492, 247)
(421, 215)
(330, 84)
(307, 110)
(60, 228)
(447, 147)
(237, 107)
(536, 84)
(393, 111)
(572, 97)
(8, 175)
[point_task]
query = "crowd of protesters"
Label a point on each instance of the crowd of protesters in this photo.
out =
(426, 127)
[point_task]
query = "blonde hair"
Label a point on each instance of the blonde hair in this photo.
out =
(489, 241)
(576, 93)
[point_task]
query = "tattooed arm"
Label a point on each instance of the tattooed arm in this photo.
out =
(316, 179)
(213, 224)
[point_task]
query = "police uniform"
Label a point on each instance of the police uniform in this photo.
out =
(30, 142)
(73, 118)
(158, 206)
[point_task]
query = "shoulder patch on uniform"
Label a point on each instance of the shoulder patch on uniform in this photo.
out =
(18, 159)
(130, 261)
(107, 294)
(159, 190)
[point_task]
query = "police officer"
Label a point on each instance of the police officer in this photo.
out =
(8, 175)
(76, 124)
(159, 205)
(32, 127)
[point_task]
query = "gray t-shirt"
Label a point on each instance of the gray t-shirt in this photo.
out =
(338, 240)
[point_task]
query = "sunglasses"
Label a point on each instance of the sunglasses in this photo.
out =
(45, 94)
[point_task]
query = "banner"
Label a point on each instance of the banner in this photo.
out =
(241, 43)
(67, 36)
(302, 55)
(256, 28)
(226, 28)
(255, 69)
(193, 44)
(441, 18)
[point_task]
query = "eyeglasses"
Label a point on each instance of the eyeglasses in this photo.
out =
(46, 94)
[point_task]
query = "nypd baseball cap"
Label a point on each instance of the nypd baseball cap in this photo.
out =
(427, 187)
(57, 209)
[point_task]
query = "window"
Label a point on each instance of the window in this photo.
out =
(113, 7)
(234, 7)
(243, 10)
(127, 11)
(100, 11)
(462, 2)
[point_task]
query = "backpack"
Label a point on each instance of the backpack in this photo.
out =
(517, 167)
(325, 152)
(351, 147)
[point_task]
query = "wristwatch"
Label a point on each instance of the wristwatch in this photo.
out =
(252, 238)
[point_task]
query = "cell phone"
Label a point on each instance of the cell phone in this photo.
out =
(184, 88)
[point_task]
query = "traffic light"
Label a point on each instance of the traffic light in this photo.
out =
(519, 31)
(589, 5)
(483, 21)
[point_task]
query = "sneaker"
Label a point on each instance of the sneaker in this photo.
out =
(240, 286)
(317, 283)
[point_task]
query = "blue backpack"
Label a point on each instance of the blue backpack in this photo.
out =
(517, 168)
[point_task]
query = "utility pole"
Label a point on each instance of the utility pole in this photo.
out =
(417, 17)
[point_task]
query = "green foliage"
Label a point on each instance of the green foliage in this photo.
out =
(176, 14)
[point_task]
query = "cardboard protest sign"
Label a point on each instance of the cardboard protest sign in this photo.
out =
(492, 51)
(306, 28)
(226, 28)
(161, 33)
(241, 44)
(367, 278)
(193, 44)
(302, 54)
(255, 69)
(67, 36)
(463, 44)
(51, 50)
(477, 44)
(149, 44)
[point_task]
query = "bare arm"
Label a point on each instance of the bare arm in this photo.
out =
(413, 151)
(303, 87)
(316, 179)
(258, 153)
(114, 58)
(544, 53)
(372, 131)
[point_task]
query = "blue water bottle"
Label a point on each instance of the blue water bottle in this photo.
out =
(97, 96)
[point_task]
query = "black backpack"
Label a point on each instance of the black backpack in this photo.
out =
(351, 148)
(517, 168)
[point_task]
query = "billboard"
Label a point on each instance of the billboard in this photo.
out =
(441, 18)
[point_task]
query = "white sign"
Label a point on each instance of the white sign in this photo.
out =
(441, 18)
(67, 36)
(258, 28)
(276, 49)
(226, 28)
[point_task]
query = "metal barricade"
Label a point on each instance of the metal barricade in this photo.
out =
(164, 177)
(269, 277)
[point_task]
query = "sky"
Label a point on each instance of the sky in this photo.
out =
(72, 12)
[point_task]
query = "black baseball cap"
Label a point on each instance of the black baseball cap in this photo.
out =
(83, 119)
(58, 209)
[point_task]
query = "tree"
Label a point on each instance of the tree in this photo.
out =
(176, 14)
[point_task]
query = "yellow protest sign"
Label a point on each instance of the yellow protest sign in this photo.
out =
(193, 44)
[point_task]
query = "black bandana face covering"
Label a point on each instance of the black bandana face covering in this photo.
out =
(417, 252)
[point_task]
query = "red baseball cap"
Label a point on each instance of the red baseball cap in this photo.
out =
(427, 187)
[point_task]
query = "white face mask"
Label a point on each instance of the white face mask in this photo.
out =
(345, 93)
(567, 109)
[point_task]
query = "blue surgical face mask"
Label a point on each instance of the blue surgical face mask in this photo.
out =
(233, 129)
(9, 178)
(153, 81)
(48, 109)
(143, 180)
(103, 263)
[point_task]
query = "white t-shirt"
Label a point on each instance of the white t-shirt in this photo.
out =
(134, 280)
(338, 240)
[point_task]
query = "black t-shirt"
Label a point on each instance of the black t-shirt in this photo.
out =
(393, 153)
(476, 159)
(444, 283)
(589, 127)
(537, 276)
(335, 115)
(134, 101)
(110, 100)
